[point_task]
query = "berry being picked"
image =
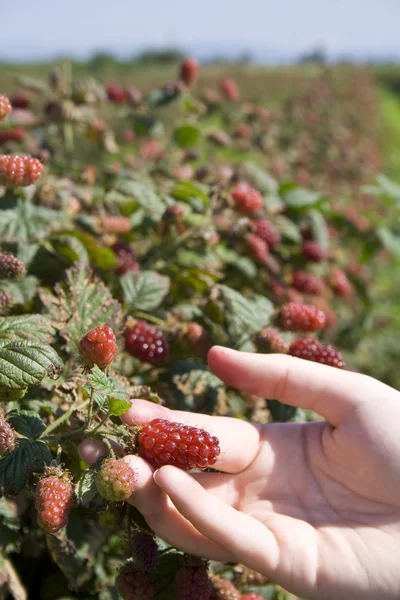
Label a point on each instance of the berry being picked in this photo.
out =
(229, 88)
(307, 283)
(144, 551)
(313, 252)
(6, 302)
(225, 588)
(189, 71)
(301, 317)
(98, 347)
(247, 199)
(146, 343)
(133, 584)
(126, 259)
(116, 480)
(312, 349)
(115, 224)
(7, 436)
(11, 267)
(267, 231)
(271, 340)
(5, 107)
(163, 442)
(53, 500)
(192, 583)
(15, 134)
(19, 170)
(252, 596)
(258, 248)
(340, 284)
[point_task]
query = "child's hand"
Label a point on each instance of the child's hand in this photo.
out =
(314, 507)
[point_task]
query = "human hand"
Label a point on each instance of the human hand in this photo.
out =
(315, 507)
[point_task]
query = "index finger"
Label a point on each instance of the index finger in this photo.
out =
(239, 440)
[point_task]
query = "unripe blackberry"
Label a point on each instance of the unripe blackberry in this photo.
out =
(19, 170)
(7, 436)
(301, 317)
(313, 252)
(133, 584)
(271, 340)
(6, 302)
(267, 231)
(247, 199)
(189, 71)
(225, 588)
(258, 248)
(146, 343)
(116, 480)
(11, 267)
(144, 551)
(307, 283)
(312, 349)
(229, 88)
(5, 107)
(53, 500)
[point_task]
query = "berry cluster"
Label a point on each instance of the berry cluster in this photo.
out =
(271, 340)
(226, 589)
(5, 107)
(267, 232)
(192, 583)
(125, 257)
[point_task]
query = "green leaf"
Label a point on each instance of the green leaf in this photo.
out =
(281, 412)
(23, 290)
(105, 385)
(18, 466)
(144, 290)
(162, 96)
(27, 223)
(35, 328)
(86, 489)
(193, 193)
(144, 195)
(26, 363)
(287, 228)
(298, 197)
(187, 136)
(388, 188)
(389, 240)
(27, 423)
(319, 228)
(118, 406)
(70, 248)
(260, 178)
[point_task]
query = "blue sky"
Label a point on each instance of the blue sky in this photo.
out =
(270, 29)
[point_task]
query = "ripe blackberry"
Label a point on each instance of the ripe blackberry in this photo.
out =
(7, 436)
(15, 134)
(53, 500)
(98, 347)
(271, 340)
(247, 199)
(133, 584)
(258, 248)
(189, 71)
(144, 551)
(313, 252)
(163, 442)
(11, 267)
(301, 317)
(307, 283)
(5, 107)
(116, 480)
(192, 583)
(19, 170)
(125, 257)
(267, 231)
(146, 343)
(115, 224)
(225, 588)
(312, 349)
(229, 88)
(340, 284)
(6, 302)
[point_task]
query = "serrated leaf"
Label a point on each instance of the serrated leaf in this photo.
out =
(103, 384)
(187, 136)
(26, 363)
(263, 180)
(35, 328)
(26, 423)
(118, 406)
(86, 489)
(193, 193)
(287, 228)
(23, 290)
(319, 228)
(27, 223)
(150, 203)
(144, 290)
(18, 466)
(70, 248)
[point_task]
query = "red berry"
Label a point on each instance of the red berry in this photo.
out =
(53, 501)
(115, 224)
(252, 596)
(133, 584)
(7, 436)
(126, 258)
(19, 170)
(271, 340)
(307, 283)
(267, 231)
(116, 480)
(189, 71)
(11, 267)
(247, 200)
(311, 349)
(146, 343)
(116, 93)
(313, 252)
(15, 134)
(340, 284)
(144, 551)
(5, 107)
(229, 88)
(258, 248)
(225, 588)
(98, 347)
(20, 100)
(301, 317)
(192, 583)
(163, 442)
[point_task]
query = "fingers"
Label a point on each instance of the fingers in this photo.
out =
(330, 392)
(239, 440)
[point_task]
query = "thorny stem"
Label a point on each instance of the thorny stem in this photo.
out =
(107, 443)
(90, 409)
(95, 430)
(63, 418)
(54, 439)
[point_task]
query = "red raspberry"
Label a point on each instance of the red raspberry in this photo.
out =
(5, 107)
(192, 583)
(225, 588)
(199, 339)
(133, 584)
(307, 283)
(126, 258)
(98, 347)
(16, 134)
(313, 252)
(189, 71)
(116, 93)
(7, 436)
(301, 317)
(311, 349)
(117, 225)
(340, 284)
(247, 200)
(252, 596)
(229, 88)
(53, 500)
(146, 343)
(271, 340)
(267, 231)
(116, 480)
(258, 248)
(19, 170)
(11, 267)
(20, 100)
(144, 551)
(163, 442)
